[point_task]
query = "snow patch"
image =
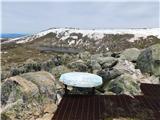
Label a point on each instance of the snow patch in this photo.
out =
(64, 33)
(72, 42)
(74, 37)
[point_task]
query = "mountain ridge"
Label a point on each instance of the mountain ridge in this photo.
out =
(64, 33)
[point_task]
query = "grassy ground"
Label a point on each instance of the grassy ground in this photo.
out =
(18, 54)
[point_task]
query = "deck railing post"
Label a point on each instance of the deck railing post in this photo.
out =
(93, 90)
(65, 90)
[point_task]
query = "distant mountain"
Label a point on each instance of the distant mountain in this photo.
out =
(11, 35)
(90, 40)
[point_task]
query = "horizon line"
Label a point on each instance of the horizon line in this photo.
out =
(76, 29)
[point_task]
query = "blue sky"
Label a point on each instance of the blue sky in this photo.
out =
(29, 17)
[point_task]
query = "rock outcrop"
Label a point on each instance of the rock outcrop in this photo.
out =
(149, 60)
(43, 80)
(58, 70)
(124, 84)
(29, 96)
(124, 66)
(78, 65)
(107, 75)
(107, 61)
(130, 54)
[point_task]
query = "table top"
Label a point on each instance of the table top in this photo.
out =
(81, 79)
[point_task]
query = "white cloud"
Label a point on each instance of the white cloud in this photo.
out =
(36, 16)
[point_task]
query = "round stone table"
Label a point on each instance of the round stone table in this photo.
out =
(80, 79)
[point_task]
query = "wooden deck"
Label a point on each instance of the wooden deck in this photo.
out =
(100, 107)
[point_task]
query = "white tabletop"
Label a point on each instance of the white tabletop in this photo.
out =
(81, 79)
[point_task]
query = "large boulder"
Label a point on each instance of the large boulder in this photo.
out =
(29, 111)
(96, 56)
(67, 58)
(45, 81)
(57, 71)
(14, 88)
(9, 112)
(149, 60)
(84, 55)
(28, 97)
(124, 84)
(107, 54)
(94, 66)
(130, 54)
(108, 75)
(78, 65)
(124, 66)
(49, 110)
(107, 61)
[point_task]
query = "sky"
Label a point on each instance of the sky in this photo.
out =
(35, 16)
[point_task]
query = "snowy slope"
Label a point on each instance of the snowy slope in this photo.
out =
(64, 33)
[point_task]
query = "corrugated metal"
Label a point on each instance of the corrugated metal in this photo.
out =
(98, 107)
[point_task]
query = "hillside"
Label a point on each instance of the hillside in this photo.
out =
(55, 41)
(91, 40)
